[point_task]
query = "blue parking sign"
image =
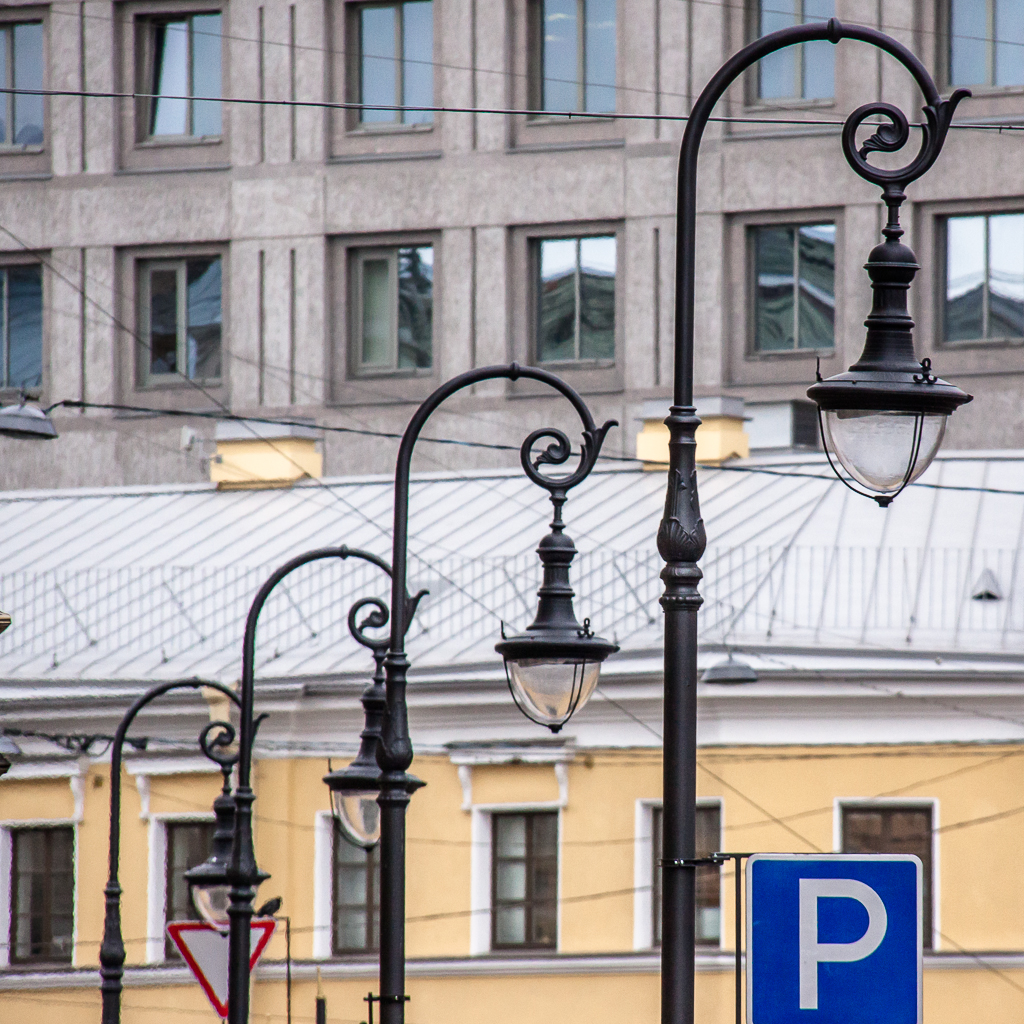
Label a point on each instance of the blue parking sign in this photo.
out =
(833, 939)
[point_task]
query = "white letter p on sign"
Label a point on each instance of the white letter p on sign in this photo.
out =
(813, 952)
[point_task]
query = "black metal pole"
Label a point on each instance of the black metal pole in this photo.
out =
(681, 537)
(395, 753)
(112, 955)
(245, 872)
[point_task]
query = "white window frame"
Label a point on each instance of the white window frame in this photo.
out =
(643, 873)
(917, 803)
(323, 884)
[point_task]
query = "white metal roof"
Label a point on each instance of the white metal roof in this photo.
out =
(154, 582)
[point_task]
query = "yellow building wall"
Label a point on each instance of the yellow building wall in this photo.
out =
(773, 799)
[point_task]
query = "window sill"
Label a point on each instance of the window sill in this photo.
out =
(358, 378)
(979, 91)
(581, 117)
(20, 150)
(788, 103)
(564, 365)
(973, 344)
(389, 129)
(179, 141)
(178, 384)
(799, 353)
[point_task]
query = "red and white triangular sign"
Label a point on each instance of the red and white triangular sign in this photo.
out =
(205, 950)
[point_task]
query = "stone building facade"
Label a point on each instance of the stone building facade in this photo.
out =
(328, 259)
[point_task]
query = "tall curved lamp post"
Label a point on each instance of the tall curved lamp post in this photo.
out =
(552, 667)
(112, 953)
(224, 886)
(882, 421)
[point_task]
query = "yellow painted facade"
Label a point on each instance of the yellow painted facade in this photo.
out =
(784, 798)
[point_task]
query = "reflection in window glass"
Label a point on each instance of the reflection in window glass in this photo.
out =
(183, 320)
(986, 42)
(524, 886)
(805, 71)
(984, 277)
(23, 326)
(576, 299)
(355, 897)
(577, 55)
(186, 76)
(42, 894)
(21, 67)
(396, 296)
(396, 62)
(794, 285)
(188, 844)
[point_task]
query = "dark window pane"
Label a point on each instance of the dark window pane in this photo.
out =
(415, 307)
(777, 71)
(418, 61)
(894, 830)
(817, 266)
(597, 298)
(708, 839)
(7, 101)
(559, 55)
(355, 898)
(599, 56)
(968, 64)
(24, 327)
(42, 895)
(378, 69)
(163, 321)
(206, 74)
(28, 74)
(525, 880)
(202, 342)
(170, 79)
(773, 276)
(188, 844)
(965, 278)
(556, 321)
(1006, 276)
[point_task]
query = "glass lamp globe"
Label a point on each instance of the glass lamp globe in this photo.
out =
(358, 814)
(211, 902)
(883, 449)
(549, 690)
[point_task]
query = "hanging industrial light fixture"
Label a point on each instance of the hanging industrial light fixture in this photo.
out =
(26, 422)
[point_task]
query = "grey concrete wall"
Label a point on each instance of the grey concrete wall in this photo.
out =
(292, 182)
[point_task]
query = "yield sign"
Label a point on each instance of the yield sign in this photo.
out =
(205, 950)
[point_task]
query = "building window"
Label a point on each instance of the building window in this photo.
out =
(524, 881)
(575, 55)
(709, 897)
(576, 299)
(984, 277)
(188, 844)
(395, 66)
(181, 321)
(21, 67)
(794, 287)
(986, 42)
(394, 293)
(355, 897)
(184, 76)
(22, 337)
(894, 830)
(802, 72)
(42, 895)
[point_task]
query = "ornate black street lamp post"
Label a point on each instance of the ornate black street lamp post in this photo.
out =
(882, 421)
(552, 667)
(112, 953)
(224, 886)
